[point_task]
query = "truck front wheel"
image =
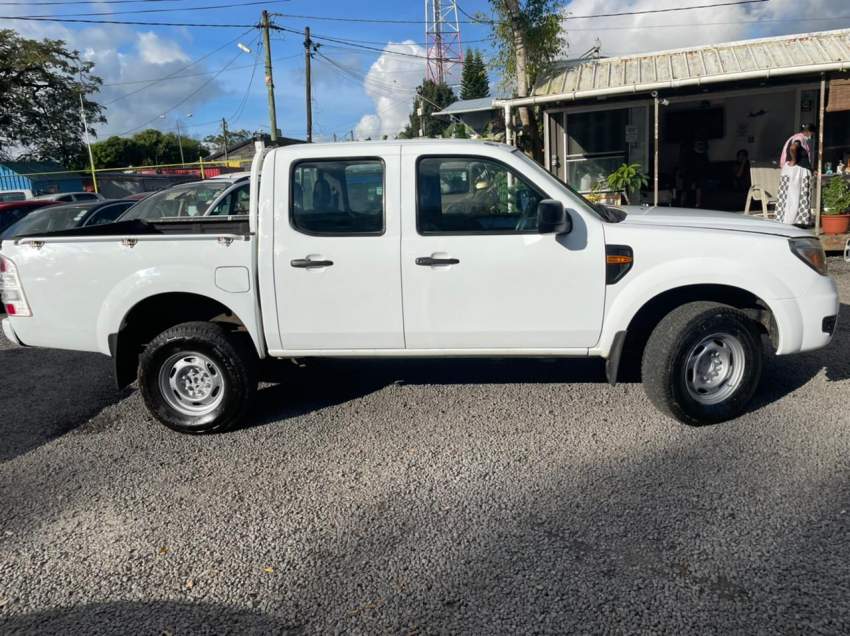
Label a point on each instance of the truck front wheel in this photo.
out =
(702, 363)
(197, 378)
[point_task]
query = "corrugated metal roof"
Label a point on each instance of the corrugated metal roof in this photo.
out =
(469, 106)
(711, 63)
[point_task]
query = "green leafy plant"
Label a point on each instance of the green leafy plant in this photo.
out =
(836, 196)
(629, 177)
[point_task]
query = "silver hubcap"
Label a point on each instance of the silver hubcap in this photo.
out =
(715, 368)
(191, 383)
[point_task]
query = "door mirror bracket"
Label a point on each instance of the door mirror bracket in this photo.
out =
(552, 218)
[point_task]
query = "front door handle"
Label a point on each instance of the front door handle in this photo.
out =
(427, 261)
(307, 263)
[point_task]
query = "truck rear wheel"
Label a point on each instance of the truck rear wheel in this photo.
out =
(702, 363)
(198, 378)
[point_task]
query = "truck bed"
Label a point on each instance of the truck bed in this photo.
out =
(190, 225)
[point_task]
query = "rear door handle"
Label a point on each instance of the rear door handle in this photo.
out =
(427, 261)
(306, 263)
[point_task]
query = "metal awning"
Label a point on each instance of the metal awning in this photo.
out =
(798, 54)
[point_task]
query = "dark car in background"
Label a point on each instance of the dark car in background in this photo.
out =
(13, 211)
(68, 216)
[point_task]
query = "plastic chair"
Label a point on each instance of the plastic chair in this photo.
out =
(764, 188)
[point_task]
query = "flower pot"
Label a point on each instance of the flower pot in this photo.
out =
(835, 223)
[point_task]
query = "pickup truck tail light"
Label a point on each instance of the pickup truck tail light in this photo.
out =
(13, 293)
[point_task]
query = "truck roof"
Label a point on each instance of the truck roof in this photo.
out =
(467, 144)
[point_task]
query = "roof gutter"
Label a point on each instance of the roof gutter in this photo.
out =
(667, 84)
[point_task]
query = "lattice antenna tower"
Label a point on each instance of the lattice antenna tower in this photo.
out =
(442, 37)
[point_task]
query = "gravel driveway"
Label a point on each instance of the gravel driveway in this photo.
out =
(426, 496)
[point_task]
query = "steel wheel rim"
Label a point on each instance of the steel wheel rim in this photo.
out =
(714, 368)
(191, 383)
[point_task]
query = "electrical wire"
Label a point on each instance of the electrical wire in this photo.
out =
(169, 10)
(483, 21)
(345, 19)
(170, 75)
(131, 22)
(241, 108)
(67, 2)
(185, 99)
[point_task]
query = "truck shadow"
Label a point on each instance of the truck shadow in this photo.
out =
(46, 393)
(321, 383)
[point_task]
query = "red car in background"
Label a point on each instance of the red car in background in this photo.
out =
(14, 211)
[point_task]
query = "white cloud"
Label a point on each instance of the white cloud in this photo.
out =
(391, 83)
(155, 50)
(655, 32)
(122, 55)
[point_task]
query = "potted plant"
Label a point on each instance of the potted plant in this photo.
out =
(629, 177)
(835, 218)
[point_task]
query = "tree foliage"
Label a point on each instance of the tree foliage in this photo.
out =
(474, 82)
(430, 98)
(40, 86)
(528, 36)
(147, 148)
(215, 143)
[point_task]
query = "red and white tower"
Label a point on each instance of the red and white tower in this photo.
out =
(442, 37)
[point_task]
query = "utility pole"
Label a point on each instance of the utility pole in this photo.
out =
(308, 54)
(269, 79)
(224, 134)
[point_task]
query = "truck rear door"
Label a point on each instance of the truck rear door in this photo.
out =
(337, 248)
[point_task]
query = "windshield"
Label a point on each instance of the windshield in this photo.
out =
(49, 219)
(611, 215)
(190, 199)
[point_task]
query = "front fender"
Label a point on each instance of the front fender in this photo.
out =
(642, 285)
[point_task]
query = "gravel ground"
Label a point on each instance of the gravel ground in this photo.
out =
(422, 497)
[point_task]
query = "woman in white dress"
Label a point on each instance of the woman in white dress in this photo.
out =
(794, 200)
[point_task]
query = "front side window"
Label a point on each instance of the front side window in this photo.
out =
(108, 214)
(234, 204)
(339, 196)
(473, 195)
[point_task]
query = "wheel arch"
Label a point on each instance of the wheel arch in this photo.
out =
(629, 337)
(152, 315)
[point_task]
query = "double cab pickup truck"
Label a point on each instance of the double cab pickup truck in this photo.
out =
(421, 248)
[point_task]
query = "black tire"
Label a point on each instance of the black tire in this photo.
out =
(234, 368)
(667, 376)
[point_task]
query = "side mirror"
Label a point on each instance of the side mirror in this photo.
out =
(552, 218)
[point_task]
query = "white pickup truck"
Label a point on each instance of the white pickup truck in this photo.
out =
(421, 248)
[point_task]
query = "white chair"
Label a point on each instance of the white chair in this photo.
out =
(764, 188)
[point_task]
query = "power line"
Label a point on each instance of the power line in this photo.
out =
(128, 22)
(187, 75)
(190, 65)
(67, 2)
(241, 108)
(185, 99)
(170, 10)
(484, 21)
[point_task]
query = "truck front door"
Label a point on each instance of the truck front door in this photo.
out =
(478, 275)
(337, 243)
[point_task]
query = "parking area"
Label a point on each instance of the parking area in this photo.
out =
(426, 496)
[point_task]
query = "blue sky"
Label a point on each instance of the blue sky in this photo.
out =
(355, 89)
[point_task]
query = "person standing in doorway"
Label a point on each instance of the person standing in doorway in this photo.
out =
(794, 200)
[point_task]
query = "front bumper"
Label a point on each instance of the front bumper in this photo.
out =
(10, 333)
(807, 322)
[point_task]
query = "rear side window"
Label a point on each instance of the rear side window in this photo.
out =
(85, 196)
(338, 197)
